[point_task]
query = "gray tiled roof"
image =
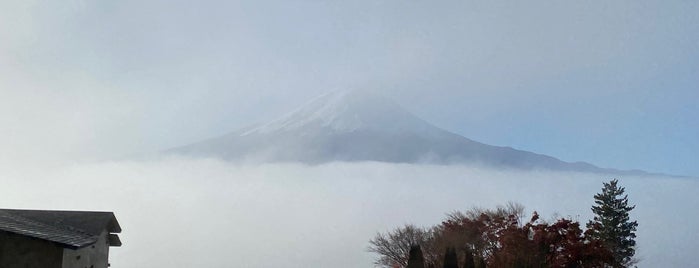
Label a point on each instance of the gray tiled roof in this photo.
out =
(73, 229)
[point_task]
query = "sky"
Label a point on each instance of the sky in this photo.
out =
(610, 83)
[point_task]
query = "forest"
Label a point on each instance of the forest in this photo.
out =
(502, 237)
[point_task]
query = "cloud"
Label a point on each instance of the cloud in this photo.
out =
(183, 212)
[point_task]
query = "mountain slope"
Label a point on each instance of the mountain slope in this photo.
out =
(363, 126)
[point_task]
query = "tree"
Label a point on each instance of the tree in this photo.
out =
(469, 262)
(394, 247)
(611, 225)
(494, 238)
(564, 244)
(415, 260)
(475, 232)
(450, 259)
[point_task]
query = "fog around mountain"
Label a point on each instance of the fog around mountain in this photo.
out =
(214, 207)
(360, 125)
(187, 212)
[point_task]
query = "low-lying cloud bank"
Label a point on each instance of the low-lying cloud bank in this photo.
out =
(207, 213)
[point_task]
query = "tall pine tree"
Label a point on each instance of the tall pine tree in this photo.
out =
(469, 261)
(611, 224)
(450, 259)
(415, 258)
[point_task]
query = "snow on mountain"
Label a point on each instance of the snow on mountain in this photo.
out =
(347, 111)
(365, 126)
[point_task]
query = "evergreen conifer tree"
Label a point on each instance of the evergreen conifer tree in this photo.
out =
(450, 259)
(469, 261)
(480, 263)
(611, 224)
(415, 259)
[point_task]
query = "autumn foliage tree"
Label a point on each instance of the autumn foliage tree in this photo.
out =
(503, 241)
(480, 238)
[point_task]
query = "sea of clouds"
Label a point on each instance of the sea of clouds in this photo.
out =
(181, 212)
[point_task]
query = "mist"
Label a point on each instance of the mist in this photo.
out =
(183, 212)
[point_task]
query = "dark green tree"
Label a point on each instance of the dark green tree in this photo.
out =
(480, 263)
(450, 259)
(469, 262)
(612, 226)
(415, 259)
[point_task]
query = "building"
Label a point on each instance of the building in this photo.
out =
(57, 239)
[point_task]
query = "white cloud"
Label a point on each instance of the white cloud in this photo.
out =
(208, 213)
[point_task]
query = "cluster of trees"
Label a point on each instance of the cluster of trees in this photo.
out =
(502, 238)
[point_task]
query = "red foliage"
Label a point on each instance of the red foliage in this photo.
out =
(504, 242)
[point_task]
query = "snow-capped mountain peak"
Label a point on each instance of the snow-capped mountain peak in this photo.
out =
(361, 125)
(346, 111)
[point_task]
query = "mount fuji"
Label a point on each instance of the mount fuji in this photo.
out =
(365, 126)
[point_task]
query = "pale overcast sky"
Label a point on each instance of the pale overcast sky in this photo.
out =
(614, 83)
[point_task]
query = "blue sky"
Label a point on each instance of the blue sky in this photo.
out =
(612, 83)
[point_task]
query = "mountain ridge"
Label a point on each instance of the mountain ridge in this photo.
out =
(360, 125)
